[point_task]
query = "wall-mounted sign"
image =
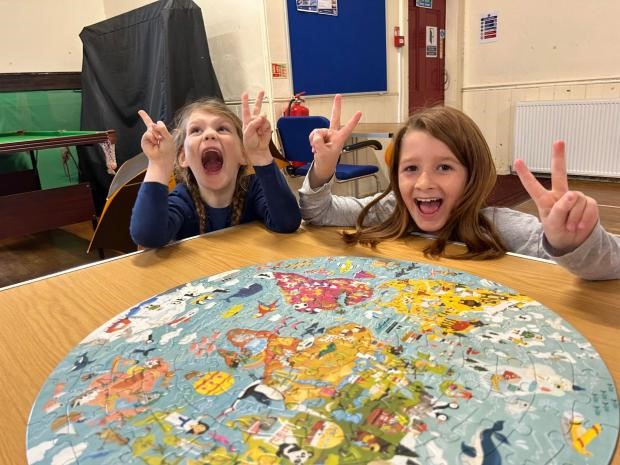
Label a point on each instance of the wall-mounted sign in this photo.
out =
(431, 42)
(488, 27)
(279, 70)
(322, 7)
(424, 3)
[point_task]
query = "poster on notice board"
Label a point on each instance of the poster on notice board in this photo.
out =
(322, 7)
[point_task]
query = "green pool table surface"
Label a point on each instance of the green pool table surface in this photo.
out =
(22, 141)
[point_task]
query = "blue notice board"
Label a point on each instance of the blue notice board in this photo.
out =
(339, 54)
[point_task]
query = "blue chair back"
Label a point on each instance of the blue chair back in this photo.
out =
(294, 132)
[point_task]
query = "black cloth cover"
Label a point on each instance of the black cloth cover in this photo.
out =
(154, 58)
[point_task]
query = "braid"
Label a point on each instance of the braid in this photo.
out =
(238, 200)
(192, 186)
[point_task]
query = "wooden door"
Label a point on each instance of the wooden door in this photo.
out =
(426, 53)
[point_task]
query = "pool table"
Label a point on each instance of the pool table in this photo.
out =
(24, 207)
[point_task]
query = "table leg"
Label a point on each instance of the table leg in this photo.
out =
(33, 160)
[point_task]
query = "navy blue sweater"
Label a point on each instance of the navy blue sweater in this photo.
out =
(159, 217)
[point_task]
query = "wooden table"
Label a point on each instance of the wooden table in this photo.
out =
(41, 321)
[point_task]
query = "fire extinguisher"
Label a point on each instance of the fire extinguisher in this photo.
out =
(296, 107)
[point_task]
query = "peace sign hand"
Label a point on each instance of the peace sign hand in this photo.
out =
(327, 144)
(256, 131)
(158, 145)
(568, 217)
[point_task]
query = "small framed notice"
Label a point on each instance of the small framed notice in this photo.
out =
(424, 3)
(488, 27)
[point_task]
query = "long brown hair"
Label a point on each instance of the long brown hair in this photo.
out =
(185, 175)
(466, 224)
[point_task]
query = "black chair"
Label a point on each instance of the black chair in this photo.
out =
(293, 133)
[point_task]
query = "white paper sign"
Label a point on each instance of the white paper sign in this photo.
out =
(431, 42)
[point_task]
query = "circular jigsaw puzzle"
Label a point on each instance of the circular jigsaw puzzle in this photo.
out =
(333, 360)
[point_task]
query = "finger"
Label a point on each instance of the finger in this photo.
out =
(245, 108)
(264, 126)
(559, 178)
(317, 142)
(530, 183)
(575, 214)
(259, 102)
(251, 126)
(346, 131)
(145, 118)
(318, 132)
(150, 138)
(590, 215)
(558, 215)
(334, 121)
(161, 130)
(258, 125)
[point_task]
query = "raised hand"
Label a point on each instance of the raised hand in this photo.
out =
(158, 145)
(327, 144)
(256, 131)
(567, 217)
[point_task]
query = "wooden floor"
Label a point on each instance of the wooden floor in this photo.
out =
(31, 256)
(34, 255)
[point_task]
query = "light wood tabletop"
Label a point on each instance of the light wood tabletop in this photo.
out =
(41, 321)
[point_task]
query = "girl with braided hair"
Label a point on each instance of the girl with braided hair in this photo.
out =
(209, 155)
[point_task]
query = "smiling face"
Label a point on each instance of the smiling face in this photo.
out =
(431, 180)
(213, 151)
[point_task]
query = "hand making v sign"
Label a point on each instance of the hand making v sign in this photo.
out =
(256, 131)
(327, 144)
(568, 217)
(158, 145)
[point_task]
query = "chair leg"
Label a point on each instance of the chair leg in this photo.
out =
(99, 250)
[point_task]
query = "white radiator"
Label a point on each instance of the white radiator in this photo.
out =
(590, 128)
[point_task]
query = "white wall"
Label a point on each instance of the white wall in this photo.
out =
(541, 41)
(236, 35)
(116, 7)
(43, 35)
(560, 49)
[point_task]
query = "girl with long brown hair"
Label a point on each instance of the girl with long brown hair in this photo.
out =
(441, 174)
(209, 154)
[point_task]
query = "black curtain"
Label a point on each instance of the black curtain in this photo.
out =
(154, 58)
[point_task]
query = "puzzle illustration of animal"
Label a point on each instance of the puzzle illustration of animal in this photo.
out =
(332, 360)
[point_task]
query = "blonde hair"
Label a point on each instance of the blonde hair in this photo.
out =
(185, 175)
(466, 224)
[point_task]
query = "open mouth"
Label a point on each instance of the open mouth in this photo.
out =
(429, 206)
(212, 160)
